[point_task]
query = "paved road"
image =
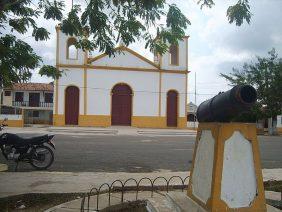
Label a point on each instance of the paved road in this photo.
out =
(111, 153)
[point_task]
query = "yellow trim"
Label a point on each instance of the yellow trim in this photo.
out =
(94, 121)
(105, 121)
(149, 121)
(160, 94)
(182, 122)
(14, 123)
(113, 68)
(221, 132)
(58, 120)
(124, 48)
(155, 122)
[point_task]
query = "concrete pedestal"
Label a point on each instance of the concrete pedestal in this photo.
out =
(226, 173)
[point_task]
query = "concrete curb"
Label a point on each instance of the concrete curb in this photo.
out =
(69, 182)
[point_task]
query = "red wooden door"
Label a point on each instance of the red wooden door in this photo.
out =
(171, 115)
(121, 105)
(34, 99)
(71, 105)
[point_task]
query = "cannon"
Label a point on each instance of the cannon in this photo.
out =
(227, 105)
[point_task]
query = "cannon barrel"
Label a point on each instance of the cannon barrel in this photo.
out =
(227, 105)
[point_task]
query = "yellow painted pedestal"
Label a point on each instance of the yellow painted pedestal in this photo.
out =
(226, 173)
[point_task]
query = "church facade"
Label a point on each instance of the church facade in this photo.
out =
(124, 89)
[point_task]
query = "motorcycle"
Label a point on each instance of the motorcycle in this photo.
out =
(30, 150)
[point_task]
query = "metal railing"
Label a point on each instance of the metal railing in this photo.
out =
(109, 188)
(32, 104)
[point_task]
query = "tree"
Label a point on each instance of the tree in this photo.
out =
(101, 25)
(265, 74)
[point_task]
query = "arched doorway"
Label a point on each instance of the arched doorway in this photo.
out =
(121, 105)
(71, 105)
(171, 112)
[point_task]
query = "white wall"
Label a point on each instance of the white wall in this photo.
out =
(123, 59)
(145, 87)
(75, 77)
(175, 82)
(183, 54)
(63, 51)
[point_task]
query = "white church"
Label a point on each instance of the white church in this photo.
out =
(125, 89)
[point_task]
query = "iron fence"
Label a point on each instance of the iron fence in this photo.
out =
(107, 188)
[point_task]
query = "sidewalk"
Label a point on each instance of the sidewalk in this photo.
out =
(14, 183)
(113, 130)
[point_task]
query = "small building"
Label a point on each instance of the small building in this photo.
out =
(191, 112)
(34, 99)
(124, 89)
(192, 121)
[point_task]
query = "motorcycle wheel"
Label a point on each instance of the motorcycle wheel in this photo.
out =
(42, 158)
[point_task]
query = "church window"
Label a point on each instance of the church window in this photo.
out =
(174, 54)
(71, 49)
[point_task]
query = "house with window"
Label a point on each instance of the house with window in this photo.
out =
(124, 89)
(34, 99)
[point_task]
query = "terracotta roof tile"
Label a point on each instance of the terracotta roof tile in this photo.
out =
(33, 86)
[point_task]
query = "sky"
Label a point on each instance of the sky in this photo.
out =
(215, 46)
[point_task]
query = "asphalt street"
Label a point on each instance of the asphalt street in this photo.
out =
(112, 153)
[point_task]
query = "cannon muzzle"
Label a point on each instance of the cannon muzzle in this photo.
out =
(227, 105)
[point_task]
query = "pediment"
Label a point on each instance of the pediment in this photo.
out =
(125, 57)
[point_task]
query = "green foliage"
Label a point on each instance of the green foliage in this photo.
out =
(50, 71)
(103, 24)
(206, 3)
(266, 76)
(17, 58)
(239, 12)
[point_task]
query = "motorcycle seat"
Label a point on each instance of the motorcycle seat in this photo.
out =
(35, 139)
(18, 140)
